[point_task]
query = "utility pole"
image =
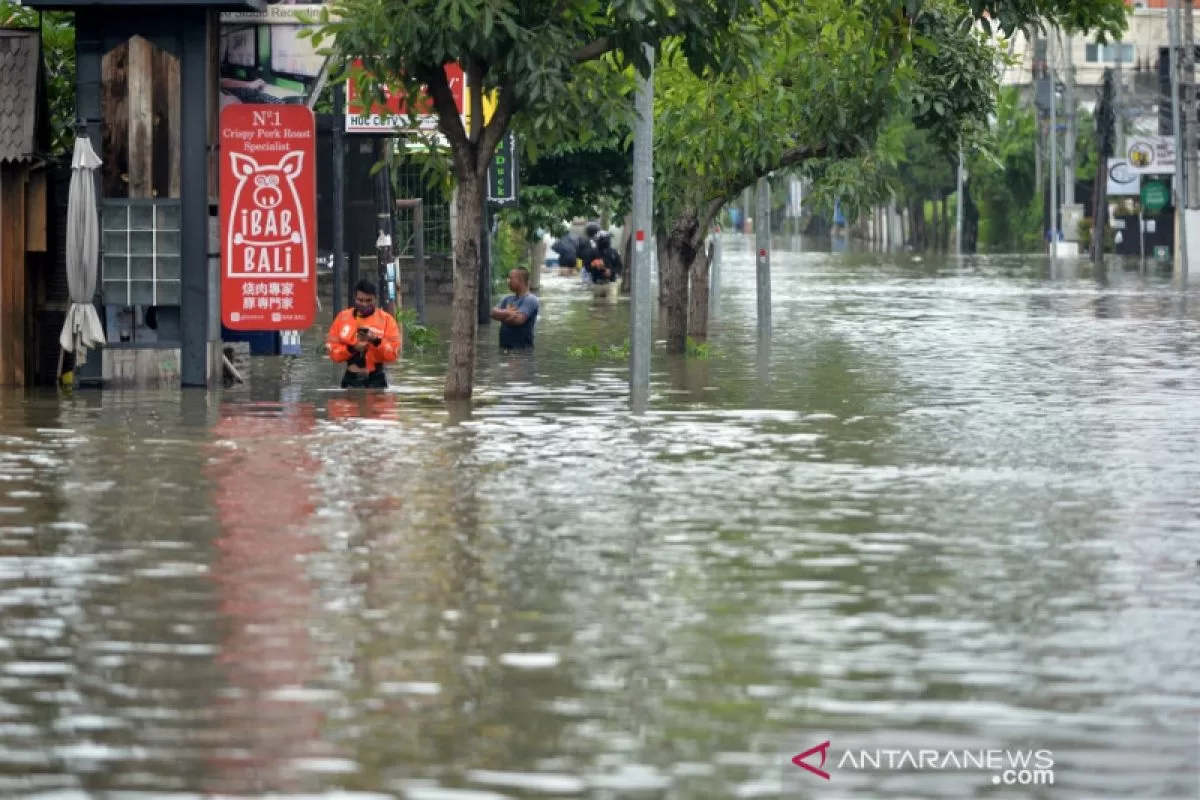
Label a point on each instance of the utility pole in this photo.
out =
(641, 296)
(1118, 108)
(1189, 124)
(1072, 119)
(1053, 151)
(762, 244)
(959, 203)
(1105, 125)
(339, 196)
(1180, 195)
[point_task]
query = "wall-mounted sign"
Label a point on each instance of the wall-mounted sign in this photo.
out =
(393, 116)
(1155, 196)
(1150, 155)
(264, 59)
(1122, 182)
(268, 217)
(502, 176)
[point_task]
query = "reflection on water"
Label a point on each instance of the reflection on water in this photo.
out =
(951, 506)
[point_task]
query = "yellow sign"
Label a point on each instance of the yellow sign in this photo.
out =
(489, 106)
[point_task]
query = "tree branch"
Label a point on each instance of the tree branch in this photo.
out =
(591, 51)
(449, 120)
(789, 158)
(475, 84)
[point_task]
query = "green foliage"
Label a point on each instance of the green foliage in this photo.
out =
(416, 335)
(839, 91)
(1004, 177)
(509, 251)
(545, 59)
(58, 52)
(541, 208)
(700, 350)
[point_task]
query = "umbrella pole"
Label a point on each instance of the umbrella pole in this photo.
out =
(61, 354)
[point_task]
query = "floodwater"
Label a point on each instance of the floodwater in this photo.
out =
(954, 507)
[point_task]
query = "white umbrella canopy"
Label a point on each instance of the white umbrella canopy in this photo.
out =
(82, 329)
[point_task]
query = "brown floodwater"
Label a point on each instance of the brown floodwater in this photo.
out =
(954, 506)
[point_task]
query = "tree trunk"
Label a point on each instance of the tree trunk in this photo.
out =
(464, 325)
(946, 223)
(660, 242)
(682, 247)
(697, 320)
(937, 225)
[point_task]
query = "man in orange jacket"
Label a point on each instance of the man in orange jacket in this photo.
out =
(364, 338)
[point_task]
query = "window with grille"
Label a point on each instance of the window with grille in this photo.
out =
(140, 247)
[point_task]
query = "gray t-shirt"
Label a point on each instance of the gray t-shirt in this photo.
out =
(514, 337)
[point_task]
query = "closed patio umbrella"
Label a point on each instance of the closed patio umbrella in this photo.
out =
(82, 329)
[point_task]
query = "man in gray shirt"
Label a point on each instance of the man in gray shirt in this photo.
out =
(517, 312)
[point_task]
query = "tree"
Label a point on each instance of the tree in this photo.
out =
(823, 83)
(529, 53)
(828, 77)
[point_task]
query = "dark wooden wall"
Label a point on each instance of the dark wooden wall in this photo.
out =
(140, 121)
(24, 215)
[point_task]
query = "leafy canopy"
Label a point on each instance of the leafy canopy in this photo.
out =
(526, 51)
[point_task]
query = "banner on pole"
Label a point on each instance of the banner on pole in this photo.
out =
(268, 217)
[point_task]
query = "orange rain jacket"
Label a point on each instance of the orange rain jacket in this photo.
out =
(343, 335)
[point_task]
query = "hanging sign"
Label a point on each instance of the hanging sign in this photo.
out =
(1150, 155)
(393, 115)
(502, 176)
(1155, 197)
(268, 217)
(1122, 182)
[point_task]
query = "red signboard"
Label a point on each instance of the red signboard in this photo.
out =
(268, 217)
(394, 113)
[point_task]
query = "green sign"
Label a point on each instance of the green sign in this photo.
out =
(1162, 253)
(502, 177)
(1155, 196)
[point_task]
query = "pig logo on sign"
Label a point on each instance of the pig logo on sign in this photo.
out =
(267, 220)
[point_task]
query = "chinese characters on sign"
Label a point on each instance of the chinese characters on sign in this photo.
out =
(268, 217)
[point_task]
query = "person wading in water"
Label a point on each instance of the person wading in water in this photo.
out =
(364, 339)
(517, 312)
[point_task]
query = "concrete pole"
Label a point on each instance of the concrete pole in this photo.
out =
(1118, 109)
(1181, 264)
(1072, 116)
(1053, 151)
(714, 281)
(958, 248)
(1189, 124)
(762, 243)
(641, 296)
